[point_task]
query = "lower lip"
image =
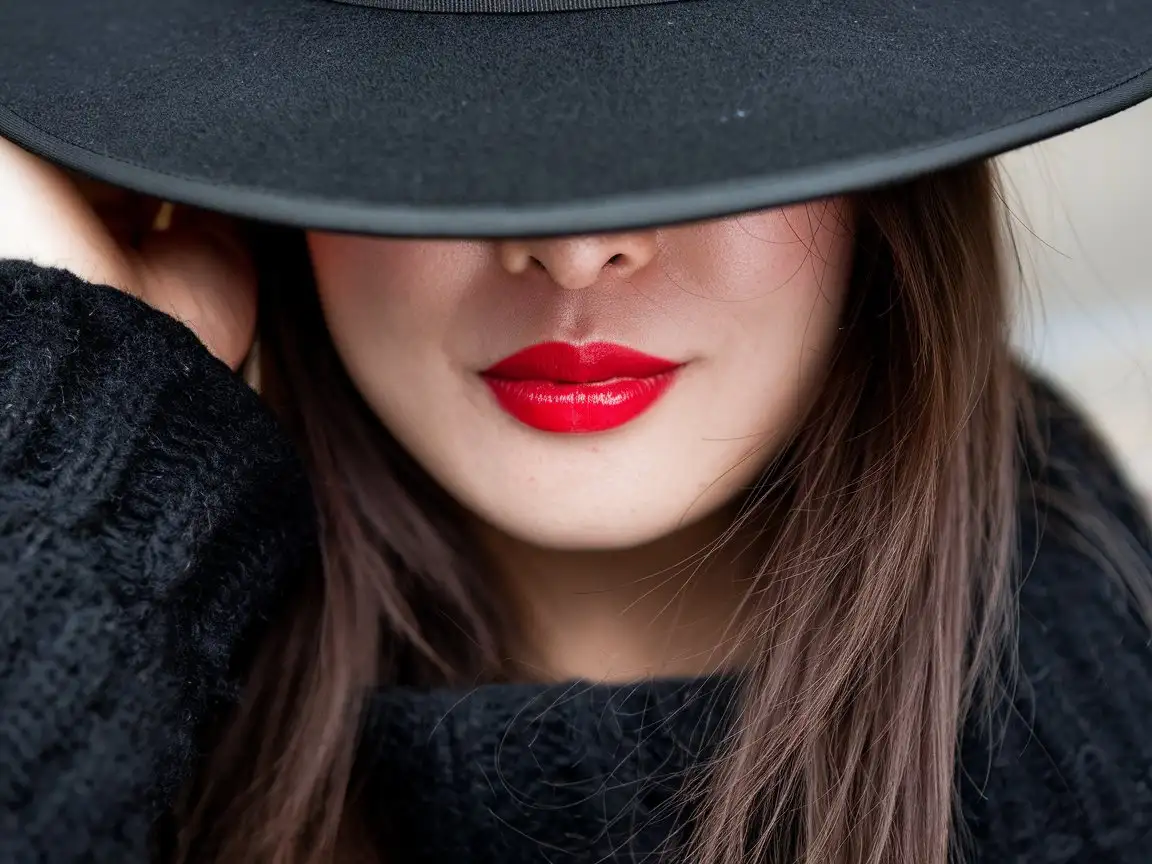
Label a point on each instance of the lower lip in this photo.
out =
(579, 408)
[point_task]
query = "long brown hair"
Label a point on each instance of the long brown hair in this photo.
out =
(883, 605)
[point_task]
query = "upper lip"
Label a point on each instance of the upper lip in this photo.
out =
(578, 364)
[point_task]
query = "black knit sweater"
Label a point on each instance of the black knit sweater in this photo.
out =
(151, 513)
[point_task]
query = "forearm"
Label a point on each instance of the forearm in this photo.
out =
(144, 492)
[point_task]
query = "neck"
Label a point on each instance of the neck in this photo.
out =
(670, 608)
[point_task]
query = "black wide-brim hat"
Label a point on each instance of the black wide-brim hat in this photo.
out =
(492, 118)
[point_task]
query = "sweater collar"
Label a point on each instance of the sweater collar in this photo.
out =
(523, 772)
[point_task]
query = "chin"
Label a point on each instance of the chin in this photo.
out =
(583, 532)
(594, 527)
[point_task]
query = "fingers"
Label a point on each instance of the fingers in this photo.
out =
(197, 269)
(46, 219)
(128, 215)
(190, 263)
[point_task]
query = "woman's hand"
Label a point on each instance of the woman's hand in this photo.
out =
(189, 263)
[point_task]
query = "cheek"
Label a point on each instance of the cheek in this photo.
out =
(785, 281)
(748, 259)
(350, 298)
(794, 299)
(364, 283)
(389, 306)
(791, 253)
(384, 297)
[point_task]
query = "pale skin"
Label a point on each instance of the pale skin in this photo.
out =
(197, 271)
(601, 539)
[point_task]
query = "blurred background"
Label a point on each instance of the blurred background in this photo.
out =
(1083, 223)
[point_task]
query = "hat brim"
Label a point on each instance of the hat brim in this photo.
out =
(349, 118)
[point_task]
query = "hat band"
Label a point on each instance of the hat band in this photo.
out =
(500, 6)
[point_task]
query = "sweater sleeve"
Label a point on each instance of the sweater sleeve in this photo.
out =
(150, 513)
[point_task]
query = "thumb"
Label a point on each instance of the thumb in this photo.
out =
(196, 267)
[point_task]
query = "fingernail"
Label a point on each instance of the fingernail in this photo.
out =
(163, 220)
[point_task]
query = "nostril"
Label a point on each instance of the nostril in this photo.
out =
(616, 259)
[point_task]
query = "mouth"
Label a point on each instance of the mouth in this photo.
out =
(573, 389)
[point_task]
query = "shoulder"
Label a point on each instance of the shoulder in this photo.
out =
(1066, 774)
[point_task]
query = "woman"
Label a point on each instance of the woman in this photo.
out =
(743, 538)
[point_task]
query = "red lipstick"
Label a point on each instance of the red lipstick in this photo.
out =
(559, 387)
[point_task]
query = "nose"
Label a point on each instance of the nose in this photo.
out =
(580, 262)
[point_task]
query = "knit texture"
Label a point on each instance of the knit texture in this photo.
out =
(149, 511)
(1070, 777)
(583, 772)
